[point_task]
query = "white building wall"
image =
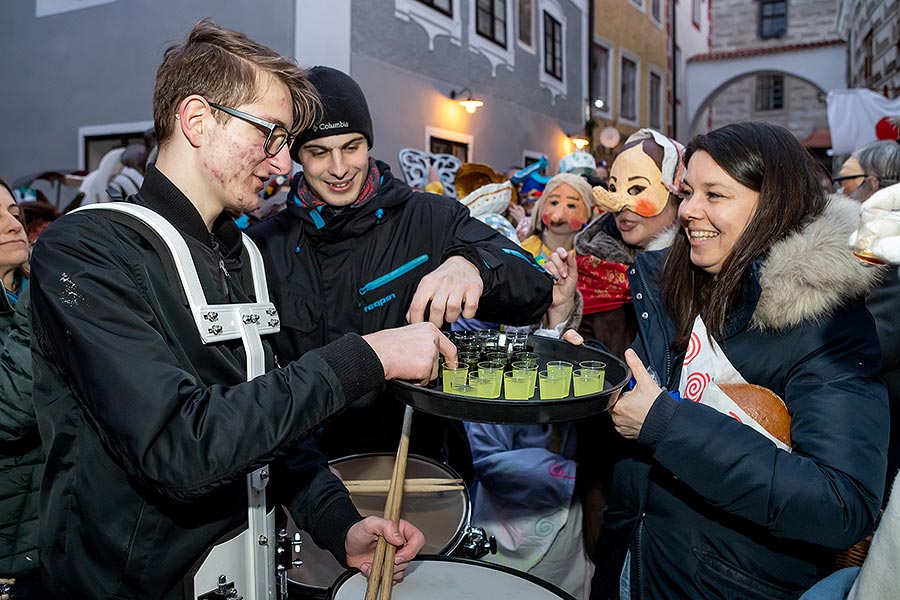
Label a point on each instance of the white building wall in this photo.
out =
(691, 40)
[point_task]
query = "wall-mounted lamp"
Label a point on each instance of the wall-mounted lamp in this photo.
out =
(579, 141)
(464, 98)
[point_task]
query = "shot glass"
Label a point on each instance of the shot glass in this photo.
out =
(553, 385)
(528, 368)
(586, 381)
(562, 367)
(595, 365)
(494, 370)
(527, 355)
(456, 374)
(483, 385)
(518, 386)
(470, 358)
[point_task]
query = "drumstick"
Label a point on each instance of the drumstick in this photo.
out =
(407, 489)
(413, 480)
(382, 573)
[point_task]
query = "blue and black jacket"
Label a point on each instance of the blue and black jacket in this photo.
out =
(356, 269)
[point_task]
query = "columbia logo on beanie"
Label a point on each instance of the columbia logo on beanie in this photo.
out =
(344, 109)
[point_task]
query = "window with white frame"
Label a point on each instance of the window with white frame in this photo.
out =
(490, 30)
(436, 17)
(656, 11)
(628, 88)
(444, 6)
(601, 55)
(638, 4)
(490, 20)
(553, 59)
(525, 18)
(655, 92)
(695, 13)
(445, 141)
(552, 36)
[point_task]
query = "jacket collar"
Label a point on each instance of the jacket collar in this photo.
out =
(164, 197)
(328, 223)
(601, 238)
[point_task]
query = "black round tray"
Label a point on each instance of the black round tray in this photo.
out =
(432, 399)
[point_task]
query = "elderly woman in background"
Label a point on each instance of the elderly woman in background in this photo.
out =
(758, 288)
(21, 456)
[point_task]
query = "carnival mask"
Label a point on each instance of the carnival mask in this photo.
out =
(564, 205)
(636, 183)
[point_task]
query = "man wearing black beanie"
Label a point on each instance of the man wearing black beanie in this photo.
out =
(358, 250)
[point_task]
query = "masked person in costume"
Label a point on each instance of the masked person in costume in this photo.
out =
(757, 287)
(640, 205)
(563, 210)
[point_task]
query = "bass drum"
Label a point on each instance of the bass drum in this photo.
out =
(451, 578)
(442, 516)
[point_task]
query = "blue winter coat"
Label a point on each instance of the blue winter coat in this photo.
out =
(707, 507)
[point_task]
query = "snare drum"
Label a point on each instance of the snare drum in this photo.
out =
(443, 517)
(451, 578)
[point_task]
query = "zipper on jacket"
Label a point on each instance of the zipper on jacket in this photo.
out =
(637, 585)
(665, 335)
(389, 277)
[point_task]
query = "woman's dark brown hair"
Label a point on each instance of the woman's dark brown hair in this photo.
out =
(768, 160)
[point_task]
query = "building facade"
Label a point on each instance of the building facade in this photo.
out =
(631, 70)
(81, 72)
(769, 60)
(871, 29)
(691, 36)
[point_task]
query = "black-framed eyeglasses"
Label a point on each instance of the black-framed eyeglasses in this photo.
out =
(278, 134)
(838, 180)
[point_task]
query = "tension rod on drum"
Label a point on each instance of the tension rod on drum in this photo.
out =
(382, 574)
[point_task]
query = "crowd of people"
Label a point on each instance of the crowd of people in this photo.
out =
(754, 445)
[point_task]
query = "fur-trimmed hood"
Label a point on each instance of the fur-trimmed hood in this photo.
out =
(811, 273)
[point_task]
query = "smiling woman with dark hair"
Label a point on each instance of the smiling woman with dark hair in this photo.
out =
(759, 287)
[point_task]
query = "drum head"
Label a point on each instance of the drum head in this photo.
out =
(442, 516)
(450, 578)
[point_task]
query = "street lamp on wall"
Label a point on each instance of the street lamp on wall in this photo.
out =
(579, 141)
(464, 98)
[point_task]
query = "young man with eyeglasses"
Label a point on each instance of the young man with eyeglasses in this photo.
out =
(149, 432)
(358, 250)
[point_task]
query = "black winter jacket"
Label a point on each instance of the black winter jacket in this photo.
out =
(149, 433)
(21, 455)
(356, 270)
(708, 507)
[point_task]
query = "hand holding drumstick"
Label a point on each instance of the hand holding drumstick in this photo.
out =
(383, 570)
(371, 544)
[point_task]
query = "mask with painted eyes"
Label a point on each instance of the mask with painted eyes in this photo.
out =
(636, 181)
(564, 205)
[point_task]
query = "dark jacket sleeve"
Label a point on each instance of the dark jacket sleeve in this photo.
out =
(517, 291)
(317, 500)
(170, 431)
(826, 491)
(17, 417)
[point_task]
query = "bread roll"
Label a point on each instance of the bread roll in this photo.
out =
(764, 406)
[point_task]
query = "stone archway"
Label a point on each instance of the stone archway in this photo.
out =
(822, 65)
